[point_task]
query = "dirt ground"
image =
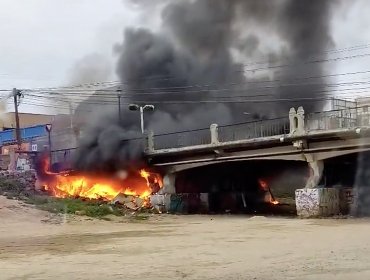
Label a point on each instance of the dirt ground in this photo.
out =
(39, 245)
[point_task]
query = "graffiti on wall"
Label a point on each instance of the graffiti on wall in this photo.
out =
(317, 202)
(181, 203)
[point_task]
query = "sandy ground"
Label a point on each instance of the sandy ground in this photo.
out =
(38, 245)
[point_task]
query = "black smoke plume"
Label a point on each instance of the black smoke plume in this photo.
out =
(199, 54)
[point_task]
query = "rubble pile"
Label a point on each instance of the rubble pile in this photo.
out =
(25, 180)
(130, 202)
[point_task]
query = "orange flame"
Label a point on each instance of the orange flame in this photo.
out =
(265, 187)
(91, 187)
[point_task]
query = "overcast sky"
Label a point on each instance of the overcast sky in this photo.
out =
(41, 40)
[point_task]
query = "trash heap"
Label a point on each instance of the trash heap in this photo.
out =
(25, 180)
(130, 202)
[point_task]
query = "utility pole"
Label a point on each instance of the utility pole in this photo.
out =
(119, 108)
(70, 113)
(119, 91)
(16, 96)
(48, 129)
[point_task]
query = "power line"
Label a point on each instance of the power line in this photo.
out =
(108, 99)
(137, 92)
(164, 77)
(353, 48)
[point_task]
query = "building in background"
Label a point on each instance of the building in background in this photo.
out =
(7, 120)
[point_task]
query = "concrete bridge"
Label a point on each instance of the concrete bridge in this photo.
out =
(312, 138)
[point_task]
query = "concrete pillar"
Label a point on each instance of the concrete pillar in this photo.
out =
(169, 181)
(150, 141)
(314, 203)
(293, 120)
(162, 201)
(301, 122)
(214, 134)
(316, 170)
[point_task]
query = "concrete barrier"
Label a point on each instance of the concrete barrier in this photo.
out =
(181, 203)
(319, 202)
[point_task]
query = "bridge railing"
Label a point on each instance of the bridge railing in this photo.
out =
(343, 118)
(255, 129)
(182, 139)
(298, 123)
(227, 133)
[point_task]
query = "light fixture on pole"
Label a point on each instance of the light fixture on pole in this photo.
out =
(142, 109)
(48, 129)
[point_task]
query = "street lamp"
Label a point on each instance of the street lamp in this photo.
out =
(48, 129)
(142, 109)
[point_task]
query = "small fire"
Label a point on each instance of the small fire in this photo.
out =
(265, 187)
(275, 202)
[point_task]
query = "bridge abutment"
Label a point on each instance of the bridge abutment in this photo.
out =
(316, 171)
(318, 202)
(169, 181)
(313, 201)
(162, 201)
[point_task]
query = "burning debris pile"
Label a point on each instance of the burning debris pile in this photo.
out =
(131, 189)
(132, 192)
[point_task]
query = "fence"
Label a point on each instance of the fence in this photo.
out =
(182, 139)
(256, 129)
(235, 132)
(344, 118)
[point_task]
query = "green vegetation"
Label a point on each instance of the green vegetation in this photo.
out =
(83, 207)
(10, 188)
(80, 207)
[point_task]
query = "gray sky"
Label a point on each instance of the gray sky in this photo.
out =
(41, 40)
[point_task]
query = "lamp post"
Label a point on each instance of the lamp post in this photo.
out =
(142, 109)
(48, 129)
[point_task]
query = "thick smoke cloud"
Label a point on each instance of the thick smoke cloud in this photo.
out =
(191, 58)
(305, 26)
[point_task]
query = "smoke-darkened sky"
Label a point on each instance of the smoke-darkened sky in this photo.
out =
(212, 42)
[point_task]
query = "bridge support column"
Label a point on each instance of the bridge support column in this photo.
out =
(312, 201)
(315, 203)
(169, 181)
(161, 201)
(316, 170)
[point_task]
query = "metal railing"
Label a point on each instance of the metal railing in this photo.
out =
(182, 139)
(251, 130)
(336, 119)
(227, 133)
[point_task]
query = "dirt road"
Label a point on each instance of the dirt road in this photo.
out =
(38, 245)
